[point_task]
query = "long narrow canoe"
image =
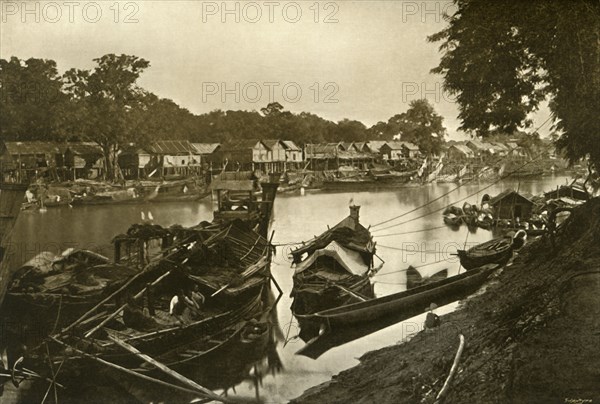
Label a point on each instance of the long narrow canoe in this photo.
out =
(347, 323)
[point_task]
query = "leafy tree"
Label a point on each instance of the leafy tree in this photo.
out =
(272, 109)
(110, 102)
(501, 59)
(31, 101)
(420, 125)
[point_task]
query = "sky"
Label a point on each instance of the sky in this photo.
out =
(363, 60)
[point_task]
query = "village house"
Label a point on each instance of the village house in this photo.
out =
(27, 160)
(175, 157)
(208, 153)
(459, 152)
(293, 154)
(245, 154)
(84, 160)
(135, 162)
(510, 204)
(276, 155)
(374, 146)
(398, 150)
(322, 156)
(479, 148)
(410, 150)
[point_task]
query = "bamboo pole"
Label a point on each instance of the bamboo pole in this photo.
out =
(446, 386)
(112, 295)
(165, 369)
(128, 371)
(351, 293)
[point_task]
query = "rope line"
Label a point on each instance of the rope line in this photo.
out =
(410, 232)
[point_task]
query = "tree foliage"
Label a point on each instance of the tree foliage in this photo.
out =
(501, 59)
(106, 105)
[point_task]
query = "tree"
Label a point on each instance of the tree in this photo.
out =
(501, 59)
(31, 100)
(420, 125)
(110, 102)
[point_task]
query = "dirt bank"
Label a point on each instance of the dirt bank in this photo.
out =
(533, 336)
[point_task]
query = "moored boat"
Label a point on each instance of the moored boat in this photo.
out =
(498, 251)
(345, 323)
(334, 268)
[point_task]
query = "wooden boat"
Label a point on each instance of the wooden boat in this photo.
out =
(452, 220)
(415, 279)
(334, 268)
(343, 324)
(240, 195)
(497, 251)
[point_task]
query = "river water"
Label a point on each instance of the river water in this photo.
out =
(416, 237)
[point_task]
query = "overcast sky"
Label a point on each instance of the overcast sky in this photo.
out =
(363, 60)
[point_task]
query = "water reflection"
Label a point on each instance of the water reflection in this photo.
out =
(416, 238)
(242, 357)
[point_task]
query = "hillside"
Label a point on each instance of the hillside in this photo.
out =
(532, 336)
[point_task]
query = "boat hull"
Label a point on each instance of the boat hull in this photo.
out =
(339, 326)
(483, 255)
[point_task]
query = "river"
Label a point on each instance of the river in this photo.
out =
(416, 237)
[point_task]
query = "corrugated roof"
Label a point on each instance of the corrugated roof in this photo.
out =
(271, 143)
(410, 146)
(504, 194)
(375, 145)
(395, 144)
(398, 145)
(291, 145)
(85, 148)
(241, 144)
(171, 147)
(206, 148)
(16, 148)
(322, 148)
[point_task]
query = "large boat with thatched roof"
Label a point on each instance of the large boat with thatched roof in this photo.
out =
(334, 268)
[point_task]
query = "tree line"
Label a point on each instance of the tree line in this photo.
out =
(106, 105)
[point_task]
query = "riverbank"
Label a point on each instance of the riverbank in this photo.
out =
(531, 337)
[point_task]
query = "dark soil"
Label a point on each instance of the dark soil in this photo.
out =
(533, 335)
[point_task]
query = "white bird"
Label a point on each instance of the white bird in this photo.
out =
(143, 216)
(150, 217)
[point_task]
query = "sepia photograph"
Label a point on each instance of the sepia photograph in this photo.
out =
(309, 201)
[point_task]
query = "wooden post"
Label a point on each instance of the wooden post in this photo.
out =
(11, 196)
(167, 370)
